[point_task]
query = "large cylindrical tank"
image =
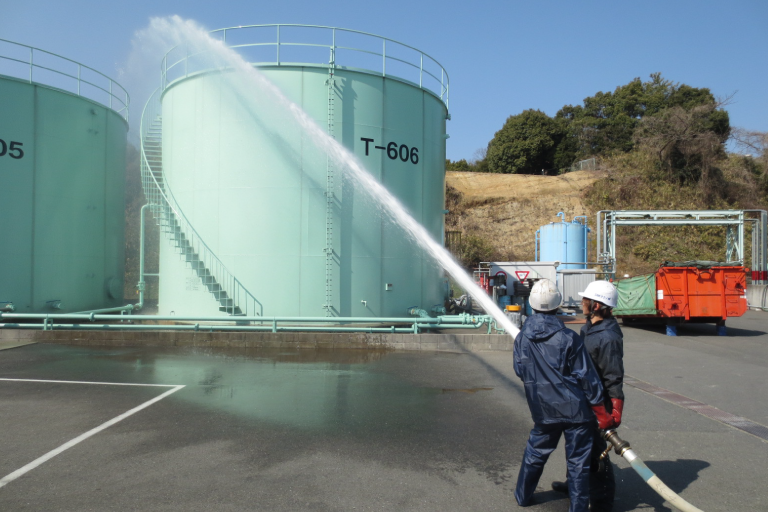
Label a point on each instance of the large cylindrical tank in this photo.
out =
(565, 242)
(62, 184)
(256, 189)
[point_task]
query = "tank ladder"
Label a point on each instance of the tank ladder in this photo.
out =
(329, 194)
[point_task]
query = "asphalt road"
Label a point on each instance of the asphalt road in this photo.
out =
(359, 430)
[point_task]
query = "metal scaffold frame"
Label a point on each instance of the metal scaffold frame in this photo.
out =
(733, 220)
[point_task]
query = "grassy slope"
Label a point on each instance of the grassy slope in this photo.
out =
(631, 182)
(500, 213)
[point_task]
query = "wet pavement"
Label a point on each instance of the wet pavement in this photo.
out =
(277, 429)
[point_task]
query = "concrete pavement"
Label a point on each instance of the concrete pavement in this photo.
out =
(367, 429)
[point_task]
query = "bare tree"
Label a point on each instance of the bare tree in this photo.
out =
(687, 143)
(479, 155)
(753, 142)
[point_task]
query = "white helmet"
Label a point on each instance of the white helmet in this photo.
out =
(602, 291)
(545, 296)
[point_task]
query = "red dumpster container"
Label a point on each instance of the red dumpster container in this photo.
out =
(698, 294)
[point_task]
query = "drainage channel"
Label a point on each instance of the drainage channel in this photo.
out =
(748, 426)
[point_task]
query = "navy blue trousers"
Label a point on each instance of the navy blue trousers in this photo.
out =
(541, 443)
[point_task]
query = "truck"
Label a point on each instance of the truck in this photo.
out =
(680, 292)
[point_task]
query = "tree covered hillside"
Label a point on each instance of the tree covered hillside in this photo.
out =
(658, 145)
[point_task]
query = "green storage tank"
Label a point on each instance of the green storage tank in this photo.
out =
(63, 133)
(282, 232)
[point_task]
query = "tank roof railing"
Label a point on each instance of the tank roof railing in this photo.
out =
(118, 101)
(427, 79)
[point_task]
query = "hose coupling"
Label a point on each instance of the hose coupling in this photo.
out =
(619, 445)
(605, 453)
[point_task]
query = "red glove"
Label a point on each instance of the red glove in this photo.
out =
(604, 420)
(618, 407)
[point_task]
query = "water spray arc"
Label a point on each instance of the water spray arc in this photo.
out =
(248, 79)
(354, 169)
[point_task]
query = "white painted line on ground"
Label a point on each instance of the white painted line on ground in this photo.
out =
(69, 444)
(87, 382)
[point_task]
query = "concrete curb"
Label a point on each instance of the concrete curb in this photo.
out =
(456, 343)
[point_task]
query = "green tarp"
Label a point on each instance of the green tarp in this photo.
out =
(699, 264)
(637, 296)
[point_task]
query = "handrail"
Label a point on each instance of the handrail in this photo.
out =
(123, 101)
(181, 66)
(165, 204)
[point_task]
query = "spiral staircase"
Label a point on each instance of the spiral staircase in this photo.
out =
(233, 298)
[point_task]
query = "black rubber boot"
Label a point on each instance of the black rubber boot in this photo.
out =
(560, 487)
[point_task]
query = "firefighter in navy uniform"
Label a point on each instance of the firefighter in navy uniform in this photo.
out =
(605, 343)
(561, 386)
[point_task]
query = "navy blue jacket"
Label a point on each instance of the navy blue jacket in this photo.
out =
(605, 344)
(560, 381)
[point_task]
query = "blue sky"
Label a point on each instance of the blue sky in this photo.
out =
(502, 56)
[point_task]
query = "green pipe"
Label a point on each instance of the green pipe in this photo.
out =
(443, 320)
(128, 307)
(141, 284)
(463, 321)
(415, 329)
(416, 311)
(211, 328)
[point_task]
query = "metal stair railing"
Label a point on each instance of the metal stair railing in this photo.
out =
(229, 292)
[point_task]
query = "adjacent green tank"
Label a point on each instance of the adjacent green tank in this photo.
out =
(62, 180)
(257, 190)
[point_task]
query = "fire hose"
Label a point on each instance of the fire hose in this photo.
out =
(623, 449)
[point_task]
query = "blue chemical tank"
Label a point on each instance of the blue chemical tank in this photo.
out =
(563, 241)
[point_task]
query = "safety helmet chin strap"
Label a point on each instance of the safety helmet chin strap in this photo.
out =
(601, 312)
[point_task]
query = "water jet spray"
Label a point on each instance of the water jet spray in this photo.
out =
(246, 83)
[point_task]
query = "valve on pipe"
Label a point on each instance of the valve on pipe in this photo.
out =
(417, 311)
(623, 449)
